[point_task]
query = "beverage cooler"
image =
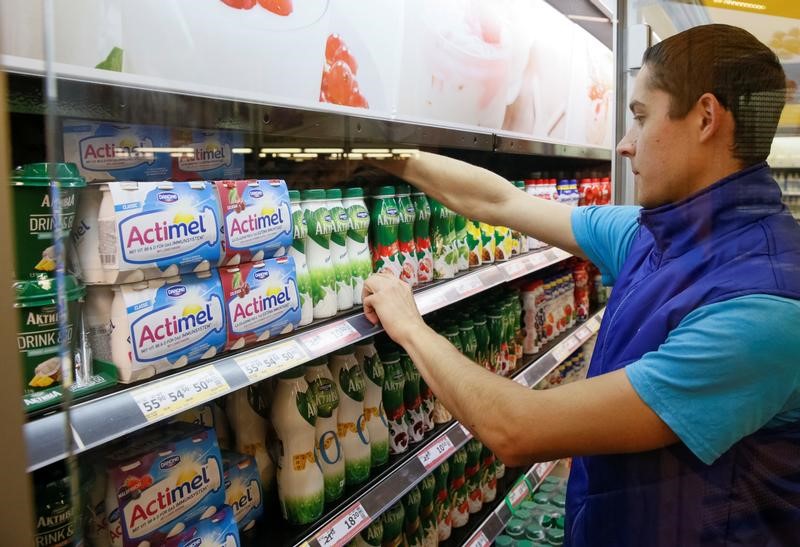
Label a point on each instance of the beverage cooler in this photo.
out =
(193, 200)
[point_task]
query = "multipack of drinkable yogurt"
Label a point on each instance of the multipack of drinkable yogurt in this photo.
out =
(104, 151)
(218, 530)
(209, 155)
(243, 489)
(133, 231)
(164, 324)
(261, 300)
(162, 484)
(256, 220)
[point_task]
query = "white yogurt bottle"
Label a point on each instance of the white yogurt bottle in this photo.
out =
(318, 254)
(301, 487)
(374, 414)
(339, 255)
(86, 234)
(353, 432)
(97, 314)
(358, 240)
(298, 252)
(330, 456)
(250, 431)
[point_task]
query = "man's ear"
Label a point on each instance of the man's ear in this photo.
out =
(710, 113)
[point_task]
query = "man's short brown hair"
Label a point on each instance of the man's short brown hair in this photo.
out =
(744, 75)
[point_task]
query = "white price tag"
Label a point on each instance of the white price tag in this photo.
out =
(513, 269)
(551, 255)
(560, 353)
(430, 301)
(329, 337)
(437, 451)
(518, 493)
(271, 360)
(179, 393)
(542, 469)
(584, 333)
(480, 540)
(536, 259)
(350, 523)
(469, 285)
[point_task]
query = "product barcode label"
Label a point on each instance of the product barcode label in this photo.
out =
(271, 360)
(345, 527)
(469, 285)
(180, 393)
(437, 451)
(479, 540)
(330, 337)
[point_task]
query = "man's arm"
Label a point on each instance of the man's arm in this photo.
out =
(603, 415)
(482, 195)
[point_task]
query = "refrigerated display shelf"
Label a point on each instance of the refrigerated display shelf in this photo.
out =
(111, 416)
(493, 525)
(360, 509)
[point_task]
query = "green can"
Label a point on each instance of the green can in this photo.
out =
(462, 247)
(384, 227)
(38, 333)
(394, 384)
(393, 520)
(33, 222)
(413, 523)
(442, 233)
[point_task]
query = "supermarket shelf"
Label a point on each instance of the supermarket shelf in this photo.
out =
(791, 194)
(360, 512)
(129, 409)
(125, 98)
(495, 523)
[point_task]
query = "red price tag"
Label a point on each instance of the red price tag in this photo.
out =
(479, 540)
(345, 527)
(335, 335)
(518, 493)
(436, 452)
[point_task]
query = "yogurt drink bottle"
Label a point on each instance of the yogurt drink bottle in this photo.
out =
(488, 477)
(323, 392)
(460, 223)
(427, 511)
(339, 255)
(318, 254)
(86, 234)
(474, 243)
(459, 510)
(413, 524)
(384, 227)
(374, 413)
(473, 475)
(301, 488)
(298, 252)
(445, 259)
(393, 520)
(358, 250)
(372, 536)
(394, 402)
(422, 238)
(250, 432)
(488, 246)
(405, 235)
(415, 415)
(353, 433)
(444, 520)
(523, 239)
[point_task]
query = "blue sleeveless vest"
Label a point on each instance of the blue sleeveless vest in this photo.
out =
(733, 238)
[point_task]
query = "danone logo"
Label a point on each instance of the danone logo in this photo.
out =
(167, 197)
(256, 193)
(362, 214)
(195, 542)
(170, 462)
(261, 274)
(391, 211)
(176, 291)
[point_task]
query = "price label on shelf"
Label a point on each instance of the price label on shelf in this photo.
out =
(469, 285)
(179, 393)
(584, 333)
(344, 528)
(438, 450)
(479, 540)
(329, 337)
(551, 255)
(271, 360)
(542, 469)
(514, 268)
(520, 491)
(466, 432)
(431, 300)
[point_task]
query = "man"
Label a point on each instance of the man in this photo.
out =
(687, 431)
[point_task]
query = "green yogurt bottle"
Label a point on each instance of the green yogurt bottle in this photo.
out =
(38, 333)
(358, 240)
(372, 536)
(298, 252)
(394, 384)
(405, 235)
(445, 258)
(339, 255)
(34, 224)
(462, 246)
(393, 520)
(444, 521)
(413, 523)
(318, 253)
(384, 228)
(415, 414)
(422, 237)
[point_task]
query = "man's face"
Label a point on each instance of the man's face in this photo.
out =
(658, 147)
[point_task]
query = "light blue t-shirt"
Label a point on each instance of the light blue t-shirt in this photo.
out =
(727, 370)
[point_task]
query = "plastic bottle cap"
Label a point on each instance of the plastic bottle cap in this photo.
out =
(314, 193)
(333, 193)
(466, 324)
(403, 189)
(384, 191)
(515, 528)
(294, 195)
(504, 541)
(540, 498)
(354, 192)
(534, 532)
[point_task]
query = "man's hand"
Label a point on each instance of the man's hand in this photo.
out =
(390, 301)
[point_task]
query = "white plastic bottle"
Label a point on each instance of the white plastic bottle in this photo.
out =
(318, 254)
(86, 234)
(250, 431)
(358, 240)
(323, 391)
(97, 314)
(339, 255)
(298, 252)
(301, 487)
(107, 238)
(374, 414)
(353, 432)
